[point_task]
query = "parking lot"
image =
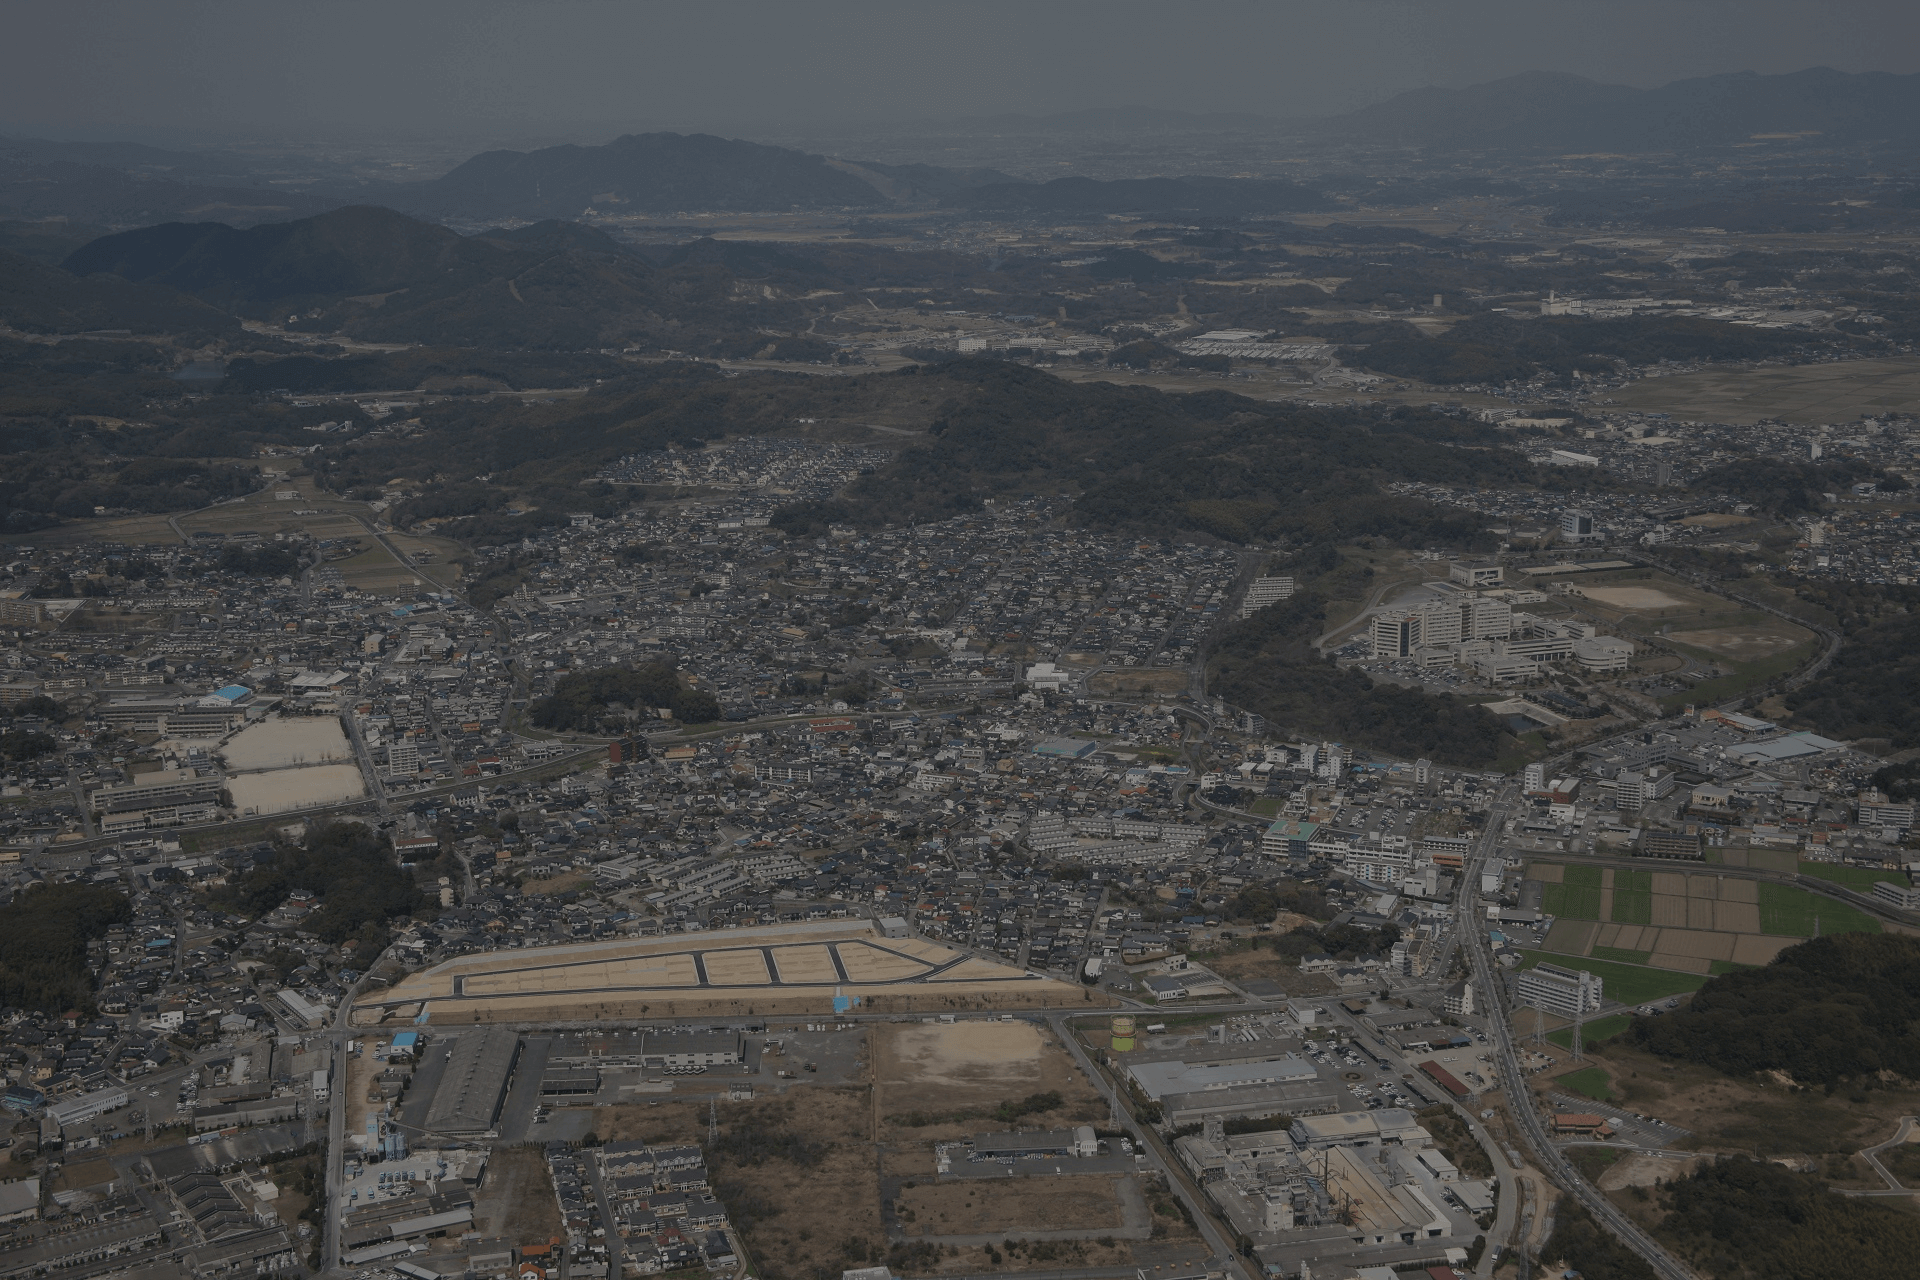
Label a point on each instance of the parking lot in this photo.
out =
(1639, 1131)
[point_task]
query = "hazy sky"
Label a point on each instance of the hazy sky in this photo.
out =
(473, 68)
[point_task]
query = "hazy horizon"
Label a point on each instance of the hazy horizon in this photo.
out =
(490, 72)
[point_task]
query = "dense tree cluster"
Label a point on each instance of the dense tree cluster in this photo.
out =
(260, 562)
(1792, 488)
(1495, 348)
(1871, 689)
(1755, 1220)
(43, 944)
(1594, 1252)
(348, 866)
(613, 696)
(1844, 1007)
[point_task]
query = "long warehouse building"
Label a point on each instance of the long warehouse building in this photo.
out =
(471, 1092)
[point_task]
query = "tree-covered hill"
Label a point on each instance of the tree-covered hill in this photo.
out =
(1832, 1009)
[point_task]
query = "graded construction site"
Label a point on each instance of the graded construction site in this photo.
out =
(822, 967)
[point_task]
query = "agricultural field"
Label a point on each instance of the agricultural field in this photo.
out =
(1812, 393)
(1696, 923)
(1858, 879)
(1593, 1033)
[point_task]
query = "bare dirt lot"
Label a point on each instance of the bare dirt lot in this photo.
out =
(979, 1205)
(673, 977)
(1259, 962)
(942, 1081)
(1139, 681)
(798, 1173)
(515, 1201)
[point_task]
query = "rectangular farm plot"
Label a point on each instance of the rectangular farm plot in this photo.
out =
(1694, 943)
(1633, 937)
(1700, 913)
(1671, 883)
(1571, 937)
(1631, 906)
(1547, 872)
(1740, 891)
(1736, 917)
(1760, 950)
(1571, 902)
(1669, 911)
(1680, 964)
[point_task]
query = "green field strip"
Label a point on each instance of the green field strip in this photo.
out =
(1629, 984)
(1797, 913)
(1858, 879)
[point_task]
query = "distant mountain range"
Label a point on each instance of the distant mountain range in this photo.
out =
(127, 184)
(638, 173)
(1128, 119)
(1546, 110)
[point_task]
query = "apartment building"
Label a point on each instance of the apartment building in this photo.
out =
(1559, 990)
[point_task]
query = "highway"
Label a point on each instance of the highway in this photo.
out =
(1532, 1133)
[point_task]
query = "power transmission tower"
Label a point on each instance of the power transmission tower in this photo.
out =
(713, 1121)
(1539, 1025)
(1579, 1025)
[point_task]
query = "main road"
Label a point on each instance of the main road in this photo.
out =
(1532, 1133)
(1149, 1144)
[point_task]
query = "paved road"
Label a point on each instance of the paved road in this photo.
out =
(616, 1247)
(1147, 1141)
(337, 1037)
(1532, 1133)
(1872, 1154)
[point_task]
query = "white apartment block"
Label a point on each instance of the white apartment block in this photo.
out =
(1266, 591)
(1558, 990)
